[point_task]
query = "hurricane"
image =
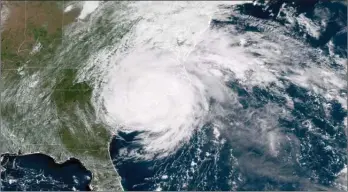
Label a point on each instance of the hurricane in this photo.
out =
(174, 95)
(168, 76)
(160, 86)
(153, 96)
(207, 96)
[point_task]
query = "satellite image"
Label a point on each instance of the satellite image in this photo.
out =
(173, 95)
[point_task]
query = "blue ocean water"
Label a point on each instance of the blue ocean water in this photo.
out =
(35, 172)
(205, 163)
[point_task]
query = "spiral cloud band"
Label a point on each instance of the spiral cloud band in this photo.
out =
(167, 76)
(151, 95)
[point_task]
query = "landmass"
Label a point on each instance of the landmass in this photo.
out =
(41, 116)
(23, 171)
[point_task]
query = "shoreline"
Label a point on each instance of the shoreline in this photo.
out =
(103, 176)
(56, 162)
(109, 143)
(94, 183)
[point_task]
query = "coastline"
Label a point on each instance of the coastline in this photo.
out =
(52, 162)
(104, 177)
